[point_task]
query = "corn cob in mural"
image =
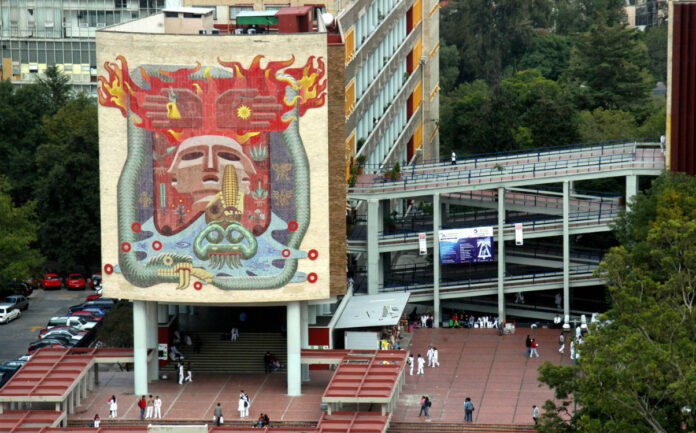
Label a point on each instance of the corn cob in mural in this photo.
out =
(230, 192)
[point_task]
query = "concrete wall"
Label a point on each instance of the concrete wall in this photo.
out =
(187, 108)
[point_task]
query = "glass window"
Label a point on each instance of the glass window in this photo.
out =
(235, 10)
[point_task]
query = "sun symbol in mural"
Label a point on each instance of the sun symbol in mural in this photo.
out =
(243, 112)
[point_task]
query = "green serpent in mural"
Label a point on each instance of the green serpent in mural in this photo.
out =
(177, 268)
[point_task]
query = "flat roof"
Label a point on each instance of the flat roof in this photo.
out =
(364, 311)
(189, 10)
(294, 10)
(29, 420)
(370, 376)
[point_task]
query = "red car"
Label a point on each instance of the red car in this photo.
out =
(89, 315)
(76, 282)
(51, 281)
(93, 297)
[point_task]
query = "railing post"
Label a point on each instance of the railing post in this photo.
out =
(566, 249)
(501, 254)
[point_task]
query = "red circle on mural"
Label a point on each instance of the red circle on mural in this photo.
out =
(198, 285)
(126, 246)
(312, 277)
(108, 268)
(292, 226)
(286, 252)
(313, 254)
(157, 245)
(136, 227)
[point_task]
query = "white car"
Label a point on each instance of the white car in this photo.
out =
(73, 321)
(8, 313)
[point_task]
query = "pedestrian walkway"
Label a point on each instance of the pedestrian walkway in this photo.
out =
(475, 363)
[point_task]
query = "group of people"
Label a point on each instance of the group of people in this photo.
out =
(270, 362)
(263, 420)
(462, 320)
(184, 375)
(532, 347)
(433, 361)
(243, 404)
(150, 407)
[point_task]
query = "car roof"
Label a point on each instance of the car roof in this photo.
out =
(14, 296)
(51, 275)
(72, 275)
(5, 304)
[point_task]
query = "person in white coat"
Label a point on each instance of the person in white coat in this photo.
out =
(113, 407)
(410, 364)
(181, 373)
(429, 354)
(240, 405)
(247, 405)
(421, 364)
(436, 363)
(158, 407)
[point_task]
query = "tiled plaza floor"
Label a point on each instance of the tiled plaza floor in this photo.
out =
(475, 363)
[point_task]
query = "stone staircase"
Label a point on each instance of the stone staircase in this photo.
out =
(442, 427)
(218, 353)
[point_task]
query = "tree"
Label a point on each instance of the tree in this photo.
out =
(449, 66)
(67, 192)
(655, 38)
(637, 369)
(18, 226)
(550, 54)
(602, 124)
(576, 16)
(55, 87)
(607, 70)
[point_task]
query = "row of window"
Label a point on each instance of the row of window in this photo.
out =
(369, 21)
(380, 57)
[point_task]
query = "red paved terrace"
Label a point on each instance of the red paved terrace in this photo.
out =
(476, 363)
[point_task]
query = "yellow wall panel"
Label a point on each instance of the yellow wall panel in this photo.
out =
(350, 97)
(417, 51)
(418, 137)
(417, 96)
(417, 8)
(350, 151)
(350, 44)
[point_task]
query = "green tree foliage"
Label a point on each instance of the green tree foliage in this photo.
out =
(607, 68)
(116, 329)
(55, 88)
(490, 35)
(525, 110)
(637, 370)
(655, 38)
(449, 66)
(18, 226)
(601, 124)
(67, 189)
(577, 16)
(550, 54)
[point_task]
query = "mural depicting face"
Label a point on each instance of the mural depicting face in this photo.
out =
(199, 166)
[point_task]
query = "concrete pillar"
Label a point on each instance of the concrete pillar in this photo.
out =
(566, 250)
(152, 339)
(294, 340)
(90, 379)
(71, 403)
(631, 189)
(311, 314)
(304, 337)
(501, 254)
(140, 347)
(374, 223)
(96, 374)
(162, 314)
(437, 222)
(77, 392)
(84, 382)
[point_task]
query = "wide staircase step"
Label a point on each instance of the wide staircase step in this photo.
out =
(218, 353)
(441, 427)
(116, 423)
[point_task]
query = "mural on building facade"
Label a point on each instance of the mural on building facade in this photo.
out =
(215, 187)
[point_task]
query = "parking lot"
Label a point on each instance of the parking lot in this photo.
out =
(16, 335)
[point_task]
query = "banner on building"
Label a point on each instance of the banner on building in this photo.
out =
(162, 351)
(466, 245)
(519, 240)
(423, 244)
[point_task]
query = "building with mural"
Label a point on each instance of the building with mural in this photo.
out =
(36, 34)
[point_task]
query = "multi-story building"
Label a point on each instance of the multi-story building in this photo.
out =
(36, 34)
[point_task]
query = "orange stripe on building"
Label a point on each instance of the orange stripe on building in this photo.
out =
(417, 96)
(416, 10)
(350, 152)
(350, 97)
(435, 90)
(350, 44)
(437, 127)
(434, 50)
(432, 11)
(418, 136)
(416, 54)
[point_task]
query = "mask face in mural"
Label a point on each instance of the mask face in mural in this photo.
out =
(215, 188)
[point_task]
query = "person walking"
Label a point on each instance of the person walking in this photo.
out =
(189, 373)
(150, 407)
(561, 342)
(535, 414)
(217, 415)
(410, 364)
(453, 158)
(142, 404)
(180, 367)
(429, 354)
(158, 407)
(528, 343)
(113, 407)
(421, 364)
(534, 348)
(425, 406)
(468, 410)
(436, 363)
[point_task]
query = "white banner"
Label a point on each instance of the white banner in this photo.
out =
(518, 234)
(422, 244)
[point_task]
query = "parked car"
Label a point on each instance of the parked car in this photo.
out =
(45, 330)
(47, 342)
(14, 288)
(71, 335)
(95, 280)
(79, 323)
(88, 314)
(18, 301)
(93, 297)
(105, 304)
(76, 282)
(51, 281)
(8, 313)
(8, 369)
